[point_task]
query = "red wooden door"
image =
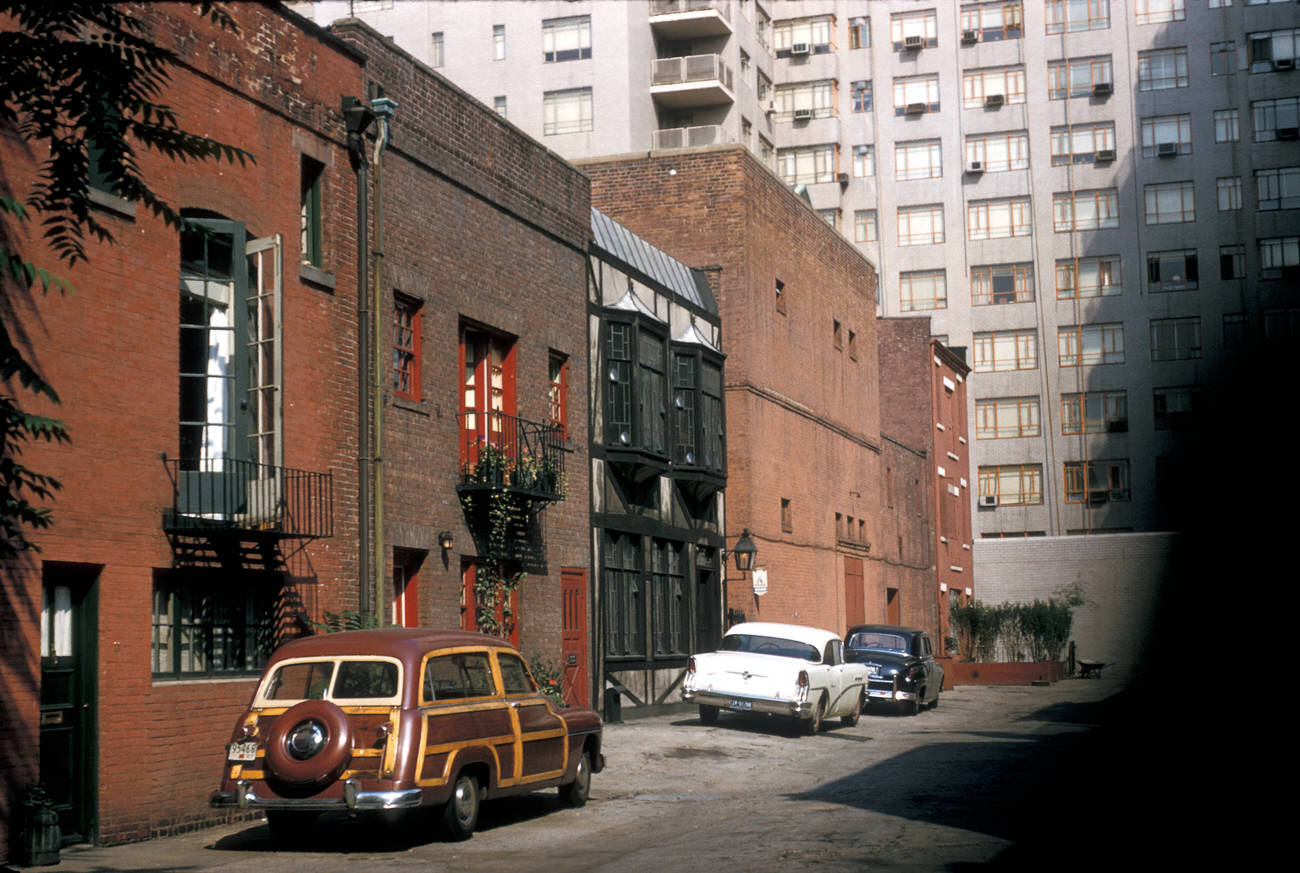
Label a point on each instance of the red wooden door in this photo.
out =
(855, 608)
(573, 636)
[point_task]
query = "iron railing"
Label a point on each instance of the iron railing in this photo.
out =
(225, 494)
(507, 452)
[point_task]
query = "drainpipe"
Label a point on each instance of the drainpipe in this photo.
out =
(357, 118)
(383, 109)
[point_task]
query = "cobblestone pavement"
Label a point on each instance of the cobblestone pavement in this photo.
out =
(993, 776)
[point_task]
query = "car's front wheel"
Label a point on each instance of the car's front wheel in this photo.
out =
(575, 794)
(460, 816)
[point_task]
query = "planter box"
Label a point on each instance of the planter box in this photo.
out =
(1017, 673)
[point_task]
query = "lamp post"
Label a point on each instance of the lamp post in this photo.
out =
(743, 553)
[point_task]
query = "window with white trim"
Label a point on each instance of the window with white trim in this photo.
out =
(566, 39)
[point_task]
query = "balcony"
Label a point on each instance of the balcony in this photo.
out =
(227, 512)
(508, 454)
(692, 81)
(690, 137)
(689, 19)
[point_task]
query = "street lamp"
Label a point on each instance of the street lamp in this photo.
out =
(743, 554)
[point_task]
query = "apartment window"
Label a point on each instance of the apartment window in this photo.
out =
(498, 42)
(1278, 255)
(920, 225)
(1232, 261)
(1282, 325)
(697, 408)
(831, 216)
(568, 111)
(780, 297)
(762, 25)
(1000, 218)
(853, 345)
(922, 289)
(1094, 412)
(998, 152)
(1001, 350)
(1081, 143)
(859, 33)
(861, 96)
(1090, 344)
(764, 86)
(1156, 11)
(1220, 4)
(1175, 407)
(806, 164)
(1175, 339)
(1229, 190)
(1163, 135)
(803, 36)
(1275, 119)
(913, 94)
(624, 590)
(864, 161)
(1234, 332)
(1012, 484)
(1006, 418)
(787, 515)
(1085, 210)
(499, 104)
(837, 334)
(864, 226)
(636, 401)
(1078, 77)
(310, 217)
(436, 50)
(992, 21)
(1223, 58)
(744, 63)
(1172, 271)
(487, 398)
(406, 347)
(566, 39)
(805, 100)
(993, 86)
(914, 29)
(557, 392)
(1160, 69)
(1273, 50)
(1070, 16)
(1096, 481)
(1227, 127)
(1170, 203)
(1002, 283)
(921, 159)
(1278, 188)
(1088, 277)
(211, 625)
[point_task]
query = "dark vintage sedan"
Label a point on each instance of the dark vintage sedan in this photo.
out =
(901, 668)
(385, 720)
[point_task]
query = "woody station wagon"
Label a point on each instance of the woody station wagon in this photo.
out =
(392, 719)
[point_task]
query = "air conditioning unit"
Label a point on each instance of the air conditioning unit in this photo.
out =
(970, 37)
(993, 101)
(1103, 89)
(1105, 156)
(1283, 64)
(1167, 149)
(975, 167)
(803, 114)
(1097, 497)
(919, 109)
(988, 501)
(1117, 425)
(800, 48)
(912, 43)
(1288, 132)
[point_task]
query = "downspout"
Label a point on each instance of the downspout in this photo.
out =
(357, 119)
(383, 109)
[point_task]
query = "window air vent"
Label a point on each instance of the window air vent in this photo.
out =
(911, 43)
(1284, 64)
(975, 167)
(1105, 156)
(1167, 149)
(988, 501)
(803, 114)
(993, 101)
(919, 109)
(1288, 132)
(800, 48)
(1102, 89)
(970, 37)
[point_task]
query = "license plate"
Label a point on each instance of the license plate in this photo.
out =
(744, 705)
(242, 752)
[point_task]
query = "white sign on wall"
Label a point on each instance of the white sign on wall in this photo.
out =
(760, 581)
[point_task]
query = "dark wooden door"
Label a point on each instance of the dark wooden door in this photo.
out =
(573, 637)
(67, 705)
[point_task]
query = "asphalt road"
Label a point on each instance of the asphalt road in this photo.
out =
(1005, 778)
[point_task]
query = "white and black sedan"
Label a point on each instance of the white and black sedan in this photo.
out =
(901, 668)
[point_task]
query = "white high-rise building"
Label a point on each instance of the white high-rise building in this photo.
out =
(1098, 199)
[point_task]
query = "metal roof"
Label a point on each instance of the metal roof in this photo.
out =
(617, 241)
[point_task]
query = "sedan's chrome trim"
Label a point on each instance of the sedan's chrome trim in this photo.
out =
(775, 705)
(353, 799)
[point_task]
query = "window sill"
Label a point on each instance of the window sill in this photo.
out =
(111, 203)
(419, 407)
(164, 681)
(316, 276)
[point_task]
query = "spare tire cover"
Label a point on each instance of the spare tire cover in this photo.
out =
(309, 744)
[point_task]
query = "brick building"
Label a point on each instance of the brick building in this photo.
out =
(210, 380)
(805, 452)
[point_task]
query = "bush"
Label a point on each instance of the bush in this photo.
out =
(1036, 631)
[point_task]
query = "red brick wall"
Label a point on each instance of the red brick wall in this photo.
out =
(110, 349)
(802, 415)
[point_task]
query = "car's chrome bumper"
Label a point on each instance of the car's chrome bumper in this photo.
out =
(245, 797)
(749, 703)
(890, 691)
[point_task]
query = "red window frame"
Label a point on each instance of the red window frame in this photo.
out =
(469, 605)
(487, 374)
(558, 392)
